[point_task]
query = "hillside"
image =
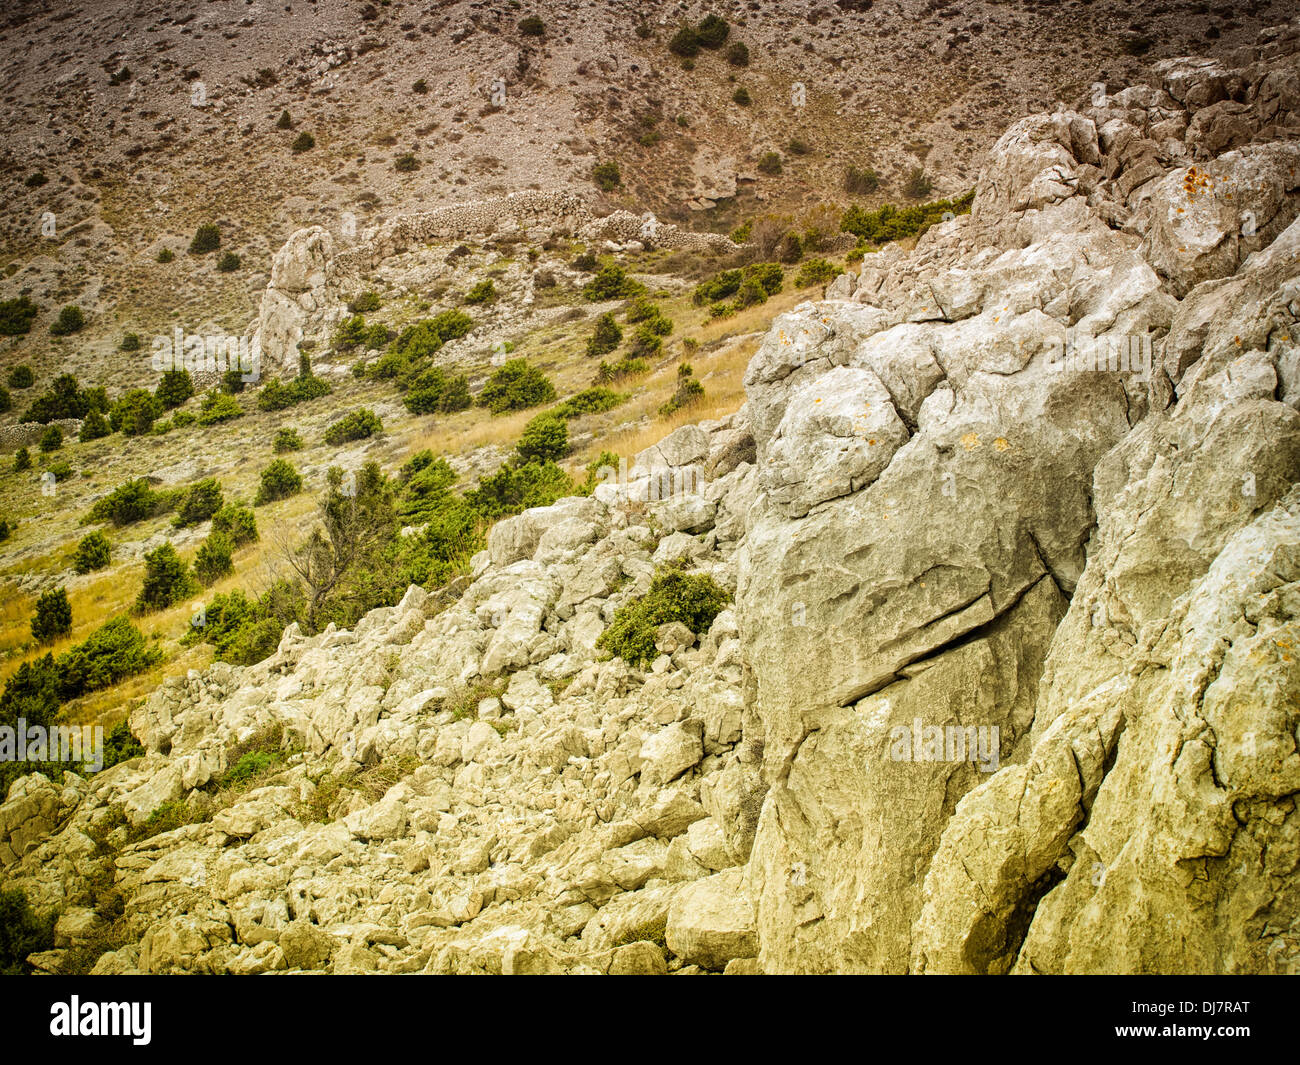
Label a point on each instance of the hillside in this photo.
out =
(606, 581)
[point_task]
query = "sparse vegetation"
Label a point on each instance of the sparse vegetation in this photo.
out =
(516, 386)
(695, 600)
(71, 319)
(279, 481)
(358, 425)
(606, 176)
(206, 238)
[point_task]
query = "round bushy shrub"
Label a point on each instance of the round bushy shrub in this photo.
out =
(206, 238)
(21, 376)
(167, 580)
(53, 617)
(279, 481)
(212, 561)
(286, 439)
(93, 552)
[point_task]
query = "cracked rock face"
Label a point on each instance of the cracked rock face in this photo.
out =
(1009, 683)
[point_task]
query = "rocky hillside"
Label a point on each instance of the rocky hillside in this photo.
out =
(996, 580)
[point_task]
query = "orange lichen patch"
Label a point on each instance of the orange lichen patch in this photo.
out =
(970, 441)
(1002, 444)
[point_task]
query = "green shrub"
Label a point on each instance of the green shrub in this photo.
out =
(232, 382)
(685, 42)
(712, 31)
(16, 316)
(167, 580)
(236, 522)
(71, 319)
(130, 342)
(279, 481)
(65, 399)
(206, 238)
(741, 97)
(166, 255)
(798, 147)
(689, 392)
(174, 389)
(250, 765)
(53, 617)
(789, 250)
(6, 402)
(358, 425)
(513, 489)
(483, 292)
(695, 600)
(286, 439)
(212, 560)
(364, 303)
(245, 631)
(406, 163)
(22, 930)
(432, 392)
(738, 54)
(61, 470)
(114, 651)
(861, 181)
(768, 277)
(532, 26)
(131, 502)
(609, 373)
(544, 439)
(605, 338)
(427, 336)
(586, 262)
(516, 386)
(183, 418)
(51, 439)
(284, 121)
(229, 262)
(769, 163)
(120, 745)
(591, 401)
(198, 503)
(21, 376)
(606, 176)
(22, 460)
(277, 396)
(93, 552)
(219, 407)
(304, 142)
(612, 283)
(888, 223)
(93, 427)
(135, 412)
(816, 272)
(917, 186)
(351, 333)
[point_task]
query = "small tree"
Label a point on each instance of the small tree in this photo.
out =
(135, 412)
(199, 504)
(53, 617)
(606, 337)
(712, 31)
(286, 439)
(304, 142)
(532, 26)
(21, 376)
(51, 439)
(93, 552)
(358, 425)
(284, 121)
(516, 386)
(483, 292)
(544, 439)
(206, 238)
(213, 561)
(174, 388)
(861, 181)
(236, 522)
(167, 580)
(606, 176)
(71, 320)
(228, 263)
(22, 460)
(279, 481)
